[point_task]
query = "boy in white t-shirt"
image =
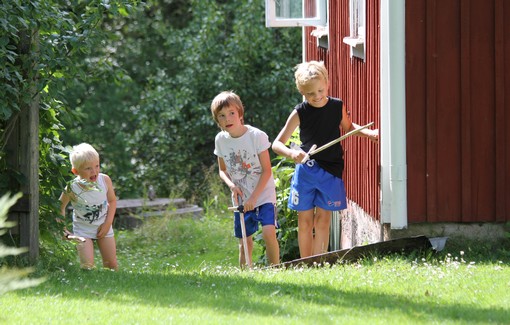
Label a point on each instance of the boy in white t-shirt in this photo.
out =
(245, 166)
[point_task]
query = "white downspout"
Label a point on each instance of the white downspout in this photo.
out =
(303, 44)
(393, 115)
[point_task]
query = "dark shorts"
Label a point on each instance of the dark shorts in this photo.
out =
(312, 187)
(265, 214)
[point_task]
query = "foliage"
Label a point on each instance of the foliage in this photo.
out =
(287, 218)
(154, 125)
(11, 279)
(283, 170)
(135, 79)
(45, 47)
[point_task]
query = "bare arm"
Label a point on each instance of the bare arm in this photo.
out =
(279, 146)
(226, 178)
(347, 125)
(64, 201)
(112, 207)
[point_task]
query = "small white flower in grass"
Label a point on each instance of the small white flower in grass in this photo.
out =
(213, 285)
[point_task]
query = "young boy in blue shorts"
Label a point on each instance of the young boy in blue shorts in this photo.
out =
(317, 187)
(245, 166)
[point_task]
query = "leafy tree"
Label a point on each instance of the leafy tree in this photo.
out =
(45, 46)
(154, 125)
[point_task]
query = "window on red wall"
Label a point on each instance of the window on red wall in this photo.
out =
(292, 13)
(356, 39)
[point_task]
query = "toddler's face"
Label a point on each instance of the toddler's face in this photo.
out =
(88, 171)
(315, 92)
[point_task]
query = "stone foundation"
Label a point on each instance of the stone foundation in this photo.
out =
(354, 227)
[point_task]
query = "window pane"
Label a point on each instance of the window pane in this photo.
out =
(292, 13)
(296, 9)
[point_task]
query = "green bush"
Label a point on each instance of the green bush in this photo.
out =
(11, 278)
(283, 170)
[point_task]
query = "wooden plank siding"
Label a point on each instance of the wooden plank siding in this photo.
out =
(457, 104)
(356, 82)
(457, 100)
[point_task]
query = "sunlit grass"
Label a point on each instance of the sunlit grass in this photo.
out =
(186, 272)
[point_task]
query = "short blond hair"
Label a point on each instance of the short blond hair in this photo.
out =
(226, 99)
(82, 153)
(307, 71)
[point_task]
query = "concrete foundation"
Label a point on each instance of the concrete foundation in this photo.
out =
(476, 231)
(354, 227)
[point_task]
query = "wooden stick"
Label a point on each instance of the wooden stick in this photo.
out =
(307, 156)
(240, 209)
(329, 144)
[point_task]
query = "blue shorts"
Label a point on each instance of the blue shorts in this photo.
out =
(265, 214)
(312, 187)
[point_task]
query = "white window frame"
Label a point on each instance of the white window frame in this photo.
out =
(356, 39)
(273, 21)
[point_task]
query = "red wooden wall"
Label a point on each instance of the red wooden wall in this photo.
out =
(458, 101)
(356, 82)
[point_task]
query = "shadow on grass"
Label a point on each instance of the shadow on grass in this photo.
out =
(235, 293)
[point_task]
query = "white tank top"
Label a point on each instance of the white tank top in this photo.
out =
(90, 203)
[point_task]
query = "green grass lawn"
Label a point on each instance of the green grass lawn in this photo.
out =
(186, 271)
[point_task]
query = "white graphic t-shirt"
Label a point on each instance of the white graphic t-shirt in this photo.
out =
(241, 157)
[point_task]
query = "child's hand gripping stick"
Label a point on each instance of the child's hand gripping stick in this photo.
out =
(313, 151)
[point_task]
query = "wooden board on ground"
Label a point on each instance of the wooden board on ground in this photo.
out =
(400, 245)
(129, 205)
(131, 213)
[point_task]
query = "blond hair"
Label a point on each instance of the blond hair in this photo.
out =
(226, 99)
(82, 153)
(307, 71)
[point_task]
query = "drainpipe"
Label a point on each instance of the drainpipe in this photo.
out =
(303, 44)
(393, 115)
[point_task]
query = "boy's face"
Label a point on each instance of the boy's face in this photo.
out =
(315, 92)
(88, 171)
(229, 120)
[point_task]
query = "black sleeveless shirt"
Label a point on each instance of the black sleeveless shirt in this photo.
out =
(320, 125)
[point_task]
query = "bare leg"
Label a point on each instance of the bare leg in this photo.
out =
(86, 254)
(272, 248)
(305, 232)
(322, 224)
(108, 250)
